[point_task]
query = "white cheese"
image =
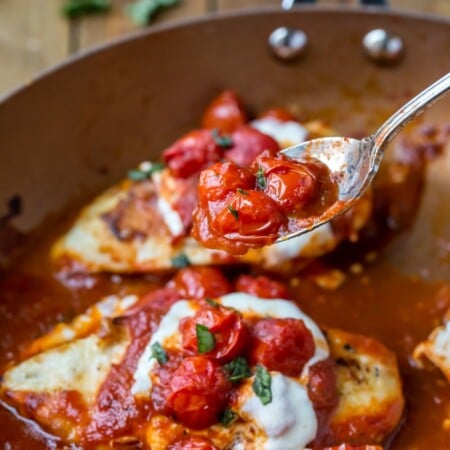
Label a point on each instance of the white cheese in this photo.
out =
(308, 245)
(442, 342)
(166, 329)
(288, 421)
(171, 217)
(285, 133)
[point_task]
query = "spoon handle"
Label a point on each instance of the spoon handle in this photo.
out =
(413, 108)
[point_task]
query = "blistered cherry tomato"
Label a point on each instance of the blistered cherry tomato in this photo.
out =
(200, 282)
(261, 286)
(221, 178)
(252, 216)
(290, 184)
(199, 392)
(284, 345)
(322, 388)
(192, 153)
(225, 113)
(248, 143)
(281, 114)
(226, 325)
(193, 443)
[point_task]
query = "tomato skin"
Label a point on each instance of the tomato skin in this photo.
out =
(248, 143)
(281, 114)
(191, 153)
(284, 345)
(230, 333)
(256, 217)
(200, 282)
(261, 286)
(290, 184)
(199, 392)
(193, 443)
(322, 389)
(222, 178)
(225, 113)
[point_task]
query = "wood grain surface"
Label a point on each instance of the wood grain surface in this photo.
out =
(34, 35)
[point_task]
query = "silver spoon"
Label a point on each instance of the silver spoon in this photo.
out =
(354, 162)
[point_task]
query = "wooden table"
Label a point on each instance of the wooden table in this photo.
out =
(34, 35)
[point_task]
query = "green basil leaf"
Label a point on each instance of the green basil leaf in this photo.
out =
(212, 302)
(205, 339)
(237, 369)
(233, 211)
(180, 261)
(143, 11)
(77, 8)
(140, 174)
(221, 141)
(228, 417)
(242, 191)
(262, 385)
(261, 181)
(159, 353)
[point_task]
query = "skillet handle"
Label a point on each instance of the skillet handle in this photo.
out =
(288, 4)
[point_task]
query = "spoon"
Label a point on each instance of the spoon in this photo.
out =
(354, 162)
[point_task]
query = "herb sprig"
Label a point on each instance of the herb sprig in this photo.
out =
(237, 369)
(262, 385)
(233, 211)
(145, 171)
(159, 353)
(77, 8)
(205, 339)
(261, 181)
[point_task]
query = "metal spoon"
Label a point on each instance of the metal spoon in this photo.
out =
(353, 162)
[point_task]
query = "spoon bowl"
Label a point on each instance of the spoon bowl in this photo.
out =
(353, 163)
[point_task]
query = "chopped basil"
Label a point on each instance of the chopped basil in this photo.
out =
(143, 173)
(77, 8)
(228, 417)
(159, 353)
(221, 141)
(143, 11)
(237, 369)
(261, 179)
(262, 385)
(233, 211)
(242, 191)
(205, 339)
(180, 261)
(212, 302)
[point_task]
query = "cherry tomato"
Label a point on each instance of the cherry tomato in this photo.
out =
(250, 216)
(192, 153)
(290, 184)
(222, 178)
(248, 143)
(200, 282)
(261, 286)
(193, 443)
(281, 114)
(226, 325)
(322, 388)
(199, 392)
(284, 345)
(225, 113)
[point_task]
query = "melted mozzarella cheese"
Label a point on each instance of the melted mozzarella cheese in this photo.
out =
(171, 217)
(166, 330)
(288, 421)
(308, 245)
(285, 133)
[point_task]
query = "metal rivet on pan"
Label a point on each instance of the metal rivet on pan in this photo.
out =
(288, 43)
(382, 46)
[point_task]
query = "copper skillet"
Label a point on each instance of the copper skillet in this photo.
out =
(79, 127)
